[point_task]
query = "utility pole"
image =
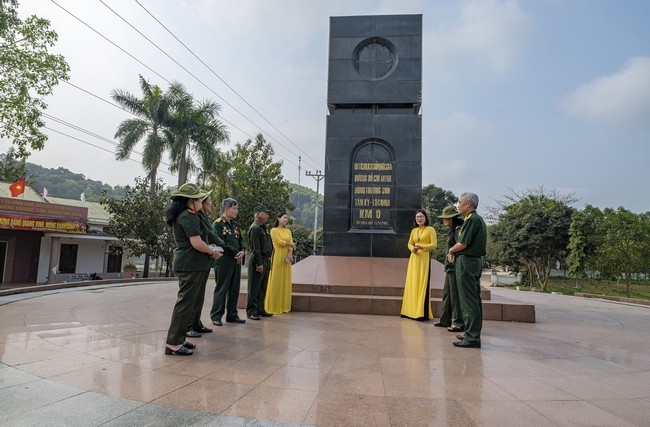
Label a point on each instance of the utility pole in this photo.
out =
(299, 162)
(318, 176)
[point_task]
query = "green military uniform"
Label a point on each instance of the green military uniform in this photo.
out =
(450, 300)
(227, 270)
(469, 266)
(189, 266)
(207, 235)
(261, 249)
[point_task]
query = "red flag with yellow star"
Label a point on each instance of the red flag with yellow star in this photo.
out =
(17, 188)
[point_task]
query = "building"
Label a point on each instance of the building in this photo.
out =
(54, 240)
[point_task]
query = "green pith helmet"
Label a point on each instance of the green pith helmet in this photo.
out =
(449, 212)
(261, 208)
(191, 191)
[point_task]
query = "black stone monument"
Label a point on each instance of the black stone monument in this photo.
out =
(373, 153)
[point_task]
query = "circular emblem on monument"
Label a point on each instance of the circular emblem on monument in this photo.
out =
(375, 58)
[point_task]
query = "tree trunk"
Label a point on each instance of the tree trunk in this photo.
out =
(145, 272)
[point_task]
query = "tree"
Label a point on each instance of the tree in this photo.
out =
(625, 245)
(304, 199)
(196, 132)
(257, 180)
(28, 73)
(585, 240)
(137, 220)
(533, 231)
(153, 114)
(435, 199)
(12, 169)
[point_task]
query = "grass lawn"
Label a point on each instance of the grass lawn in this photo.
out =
(639, 289)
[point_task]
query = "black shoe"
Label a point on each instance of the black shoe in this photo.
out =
(460, 337)
(235, 320)
(192, 334)
(204, 330)
(217, 322)
(253, 317)
(455, 329)
(467, 344)
(440, 325)
(183, 351)
(265, 314)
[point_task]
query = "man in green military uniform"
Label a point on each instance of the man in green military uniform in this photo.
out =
(470, 246)
(227, 268)
(259, 264)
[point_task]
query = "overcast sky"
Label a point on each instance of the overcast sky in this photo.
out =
(516, 95)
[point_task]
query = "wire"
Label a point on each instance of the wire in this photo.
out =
(87, 132)
(97, 146)
(108, 40)
(205, 85)
(120, 108)
(222, 80)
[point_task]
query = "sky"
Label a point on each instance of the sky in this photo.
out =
(516, 95)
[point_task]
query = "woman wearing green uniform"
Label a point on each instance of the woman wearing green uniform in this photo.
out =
(191, 259)
(450, 300)
(195, 328)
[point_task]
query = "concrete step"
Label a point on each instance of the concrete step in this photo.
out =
(396, 290)
(391, 306)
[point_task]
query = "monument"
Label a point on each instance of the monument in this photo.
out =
(373, 152)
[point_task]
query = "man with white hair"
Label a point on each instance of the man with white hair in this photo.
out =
(467, 254)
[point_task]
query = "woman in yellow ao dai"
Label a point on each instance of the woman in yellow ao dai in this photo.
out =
(278, 293)
(416, 303)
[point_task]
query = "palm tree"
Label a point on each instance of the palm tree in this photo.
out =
(152, 112)
(196, 133)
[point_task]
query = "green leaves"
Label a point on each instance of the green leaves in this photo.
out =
(28, 73)
(137, 220)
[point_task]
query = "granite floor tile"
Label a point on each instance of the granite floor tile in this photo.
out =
(244, 373)
(205, 395)
(576, 413)
(274, 404)
(82, 410)
(634, 411)
(21, 398)
(336, 409)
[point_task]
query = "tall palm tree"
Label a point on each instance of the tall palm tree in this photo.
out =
(153, 113)
(196, 133)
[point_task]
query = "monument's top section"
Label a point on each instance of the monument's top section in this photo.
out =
(375, 60)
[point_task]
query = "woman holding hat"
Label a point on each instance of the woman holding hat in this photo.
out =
(278, 294)
(191, 259)
(450, 300)
(416, 303)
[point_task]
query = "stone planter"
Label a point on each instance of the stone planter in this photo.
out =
(130, 272)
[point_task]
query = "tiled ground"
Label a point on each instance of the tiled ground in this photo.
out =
(91, 357)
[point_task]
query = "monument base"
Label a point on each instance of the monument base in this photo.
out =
(357, 285)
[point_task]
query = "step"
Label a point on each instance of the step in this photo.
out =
(392, 305)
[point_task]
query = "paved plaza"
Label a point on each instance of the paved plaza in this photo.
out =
(94, 357)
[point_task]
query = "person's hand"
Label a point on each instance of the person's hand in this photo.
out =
(239, 255)
(451, 257)
(259, 268)
(289, 259)
(292, 246)
(216, 254)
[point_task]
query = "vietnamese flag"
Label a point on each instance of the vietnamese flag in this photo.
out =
(17, 188)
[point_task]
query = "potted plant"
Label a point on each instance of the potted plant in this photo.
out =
(130, 270)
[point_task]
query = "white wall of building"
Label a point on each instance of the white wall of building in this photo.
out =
(90, 256)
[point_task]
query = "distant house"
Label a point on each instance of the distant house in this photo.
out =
(53, 240)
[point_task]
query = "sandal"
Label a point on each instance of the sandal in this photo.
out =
(455, 329)
(183, 351)
(440, 325)
(189, 345)
(204, 330)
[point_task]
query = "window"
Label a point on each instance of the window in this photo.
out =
(114, 261)
(68, 259)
